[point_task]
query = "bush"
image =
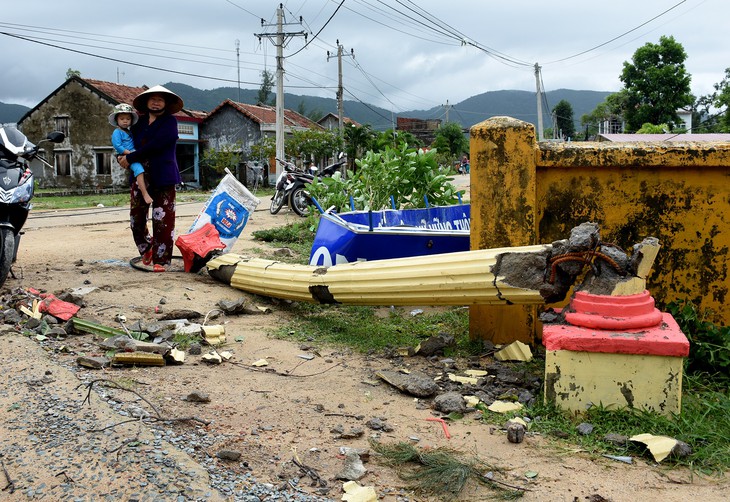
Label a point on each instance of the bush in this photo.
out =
(408, 175)
(709, 344)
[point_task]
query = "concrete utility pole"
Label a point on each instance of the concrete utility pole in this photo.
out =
(539, 103)
(447, 106)
(238, 65)
(281, 38)
(340, 89)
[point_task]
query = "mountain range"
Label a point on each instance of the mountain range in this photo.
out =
(518, 104)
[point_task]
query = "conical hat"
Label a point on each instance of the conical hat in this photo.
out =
(174, 102)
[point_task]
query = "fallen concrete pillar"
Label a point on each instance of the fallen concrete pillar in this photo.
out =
(519, 275)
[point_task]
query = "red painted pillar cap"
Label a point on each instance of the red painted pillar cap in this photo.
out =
(613, 312)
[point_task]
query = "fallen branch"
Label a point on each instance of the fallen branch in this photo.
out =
(308, 471)
(11, 483)
(157, 416)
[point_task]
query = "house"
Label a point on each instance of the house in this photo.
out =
(331, 122)
(425, 130)
(240, 125)
(85, 160)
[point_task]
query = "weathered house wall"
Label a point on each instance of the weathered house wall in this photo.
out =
(524, 192)
(89, 132)
(228, 127)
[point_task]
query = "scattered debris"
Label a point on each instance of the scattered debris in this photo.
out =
(662, 446)
(353, 468)
(515, 351)
(443, 425)
(467, 380)
(212, 358)
(214, 334)
(504, 407)
(435, 344)
(356, 493)
(229, 455)
(449, 402)
(138, 359)
(379, 424)
(584, 428)
(416, 384)
(175, 356)
(197, 397)
(515, 432)
(620, 458)
(260, 363)
(94, 363)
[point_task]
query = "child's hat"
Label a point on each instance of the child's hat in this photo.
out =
(123, 108)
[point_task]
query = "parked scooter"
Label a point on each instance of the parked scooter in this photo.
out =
(16, 189)
(284, 184)
(300, 200)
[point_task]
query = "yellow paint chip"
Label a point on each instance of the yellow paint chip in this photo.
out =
(260, 362)
(356, 493)
(472, 401)
(463, 379)
(659, 446)
(475, 373)
(515, 351)
(504, 407)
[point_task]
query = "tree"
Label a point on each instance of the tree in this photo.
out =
(612, 108)
(357, 140)
(314, 145)
(657, 84)
(72, 73)
(267, 83)
(449, 138)
(395, 139)
(563, 113)
(719, 121)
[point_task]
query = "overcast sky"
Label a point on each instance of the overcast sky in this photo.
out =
(407, 54)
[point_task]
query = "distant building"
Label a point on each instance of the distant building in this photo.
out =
(425, 130)
(80, 108)
(331, 122)
(234, 123)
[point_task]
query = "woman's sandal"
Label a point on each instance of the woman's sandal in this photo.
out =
(158, 268)
(147, 257)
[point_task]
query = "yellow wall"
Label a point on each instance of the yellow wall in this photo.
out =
(526, 193)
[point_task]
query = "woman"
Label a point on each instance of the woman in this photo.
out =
(155, 139)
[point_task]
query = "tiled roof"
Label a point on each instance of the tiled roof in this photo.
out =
(267, 115)
(118, 92)
(345, 120)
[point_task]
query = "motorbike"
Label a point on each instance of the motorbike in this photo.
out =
(284, 184)
(16, 189)
(300, 200)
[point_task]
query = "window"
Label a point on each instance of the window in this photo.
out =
(63, 163)
(185, 129)
(103, 162)
(62, 124)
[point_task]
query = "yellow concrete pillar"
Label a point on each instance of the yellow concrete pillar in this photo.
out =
(503, 214)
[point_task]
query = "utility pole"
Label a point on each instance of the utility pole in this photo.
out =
(238, 65)
(281, 38)
(340, 90)
(119, 74)
(539, 102)
(447, 106)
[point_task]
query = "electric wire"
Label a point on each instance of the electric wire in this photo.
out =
(320, 31)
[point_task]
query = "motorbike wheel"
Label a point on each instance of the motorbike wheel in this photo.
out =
(299, 202)
(277, 202)
(7, 252)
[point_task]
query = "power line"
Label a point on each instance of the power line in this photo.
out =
(320, 31)
(619, 36)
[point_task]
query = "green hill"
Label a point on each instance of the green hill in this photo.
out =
(9, 113)
(518, 104)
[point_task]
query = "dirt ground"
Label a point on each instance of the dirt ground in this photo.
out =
(270, 417)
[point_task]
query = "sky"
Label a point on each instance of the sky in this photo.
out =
(398, 54)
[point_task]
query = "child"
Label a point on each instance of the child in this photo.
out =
(123, 117)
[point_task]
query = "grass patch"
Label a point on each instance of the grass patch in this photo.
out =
(373, 329)
(704, 425)
(297, 236)
(107, 200)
